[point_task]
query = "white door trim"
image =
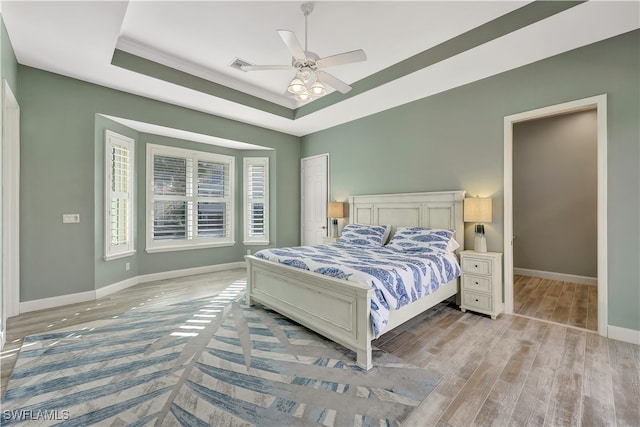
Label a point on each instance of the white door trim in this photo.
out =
(598, 102)
(10, 204)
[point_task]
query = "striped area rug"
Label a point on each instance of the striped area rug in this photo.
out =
(206, 362)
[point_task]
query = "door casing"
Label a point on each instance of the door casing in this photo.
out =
(599, 103)
(10, 206)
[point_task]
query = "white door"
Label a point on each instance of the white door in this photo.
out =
(314, 172)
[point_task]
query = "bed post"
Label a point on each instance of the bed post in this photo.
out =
(247, 295)
(364, 331)
(363, 359)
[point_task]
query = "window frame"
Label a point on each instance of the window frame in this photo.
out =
(192, 241)
(113, 139)
(247, 162)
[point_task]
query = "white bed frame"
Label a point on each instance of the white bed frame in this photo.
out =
(338, 309)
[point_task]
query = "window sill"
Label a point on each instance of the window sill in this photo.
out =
(119, 255)
(256, 243)
(171, 248)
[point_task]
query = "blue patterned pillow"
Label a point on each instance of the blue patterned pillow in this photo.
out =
(364, 235)
(419, 239)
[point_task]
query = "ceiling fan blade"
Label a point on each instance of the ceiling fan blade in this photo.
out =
(289, 38)
(334, 82)
(342, 58)
(265, 67)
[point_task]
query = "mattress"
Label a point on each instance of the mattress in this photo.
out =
(398, 278)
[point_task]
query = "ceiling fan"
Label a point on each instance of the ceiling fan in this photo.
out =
(310, 79)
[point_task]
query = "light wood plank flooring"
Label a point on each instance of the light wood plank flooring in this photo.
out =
(162, 292)
(509, 371)
(572, 304)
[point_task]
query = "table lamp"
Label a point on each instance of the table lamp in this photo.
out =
(478, 210)
(335, 210)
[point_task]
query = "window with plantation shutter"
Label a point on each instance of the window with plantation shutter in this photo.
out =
(190, 199)
(119, 213)
(256, 200)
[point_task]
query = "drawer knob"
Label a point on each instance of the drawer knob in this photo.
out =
(477, 300)
(476, 265)
(477, 283)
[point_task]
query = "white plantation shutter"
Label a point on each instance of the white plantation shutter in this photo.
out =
(214, 199)
(119, 237)
(190, 199)
(170, 214)
(256, 200)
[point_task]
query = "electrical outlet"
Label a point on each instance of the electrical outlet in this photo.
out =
(70, 218)
(127, 266)
(248, 251)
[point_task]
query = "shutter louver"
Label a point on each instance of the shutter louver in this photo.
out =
(119, 195)
(256, 174)
(169, 176)
(256, 187)
(214, 201)
(119, 202)
(170, 210)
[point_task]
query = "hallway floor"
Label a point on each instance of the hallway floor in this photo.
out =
(567, 303)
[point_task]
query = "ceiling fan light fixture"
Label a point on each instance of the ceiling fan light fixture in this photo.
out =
(296, 86)
(317, 89)
(303, 96)
(305, 75)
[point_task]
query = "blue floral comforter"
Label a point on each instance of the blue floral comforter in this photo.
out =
(397, 277)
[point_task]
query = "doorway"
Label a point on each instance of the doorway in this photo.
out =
(597, 103)
(314, 188)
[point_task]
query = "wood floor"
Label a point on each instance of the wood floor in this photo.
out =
(512, 371)
(567, 303)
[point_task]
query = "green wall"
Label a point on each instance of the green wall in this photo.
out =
(61, 172)
(454, 140)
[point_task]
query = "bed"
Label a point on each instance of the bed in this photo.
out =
(338, 309)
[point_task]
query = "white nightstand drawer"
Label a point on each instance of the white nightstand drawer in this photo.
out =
(476, 265)
(476, 283)
(473, 300)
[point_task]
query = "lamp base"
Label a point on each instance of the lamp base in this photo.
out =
(334, 228)
(480, 243)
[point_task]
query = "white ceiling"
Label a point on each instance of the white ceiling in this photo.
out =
(78, 38)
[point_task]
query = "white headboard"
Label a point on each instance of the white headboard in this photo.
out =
(440, 209)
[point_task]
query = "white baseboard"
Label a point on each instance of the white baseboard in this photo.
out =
(623, 334)
(189, 272)
(115, 287)
(53, 302)
(585, 280)
(46, 303)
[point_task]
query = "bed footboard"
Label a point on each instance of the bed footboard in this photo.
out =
(333, 308)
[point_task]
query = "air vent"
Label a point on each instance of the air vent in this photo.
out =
(238, 63)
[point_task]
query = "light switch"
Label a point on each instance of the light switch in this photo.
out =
(70, 218)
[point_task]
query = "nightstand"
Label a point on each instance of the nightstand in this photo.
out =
(328, 239)
(481, 282)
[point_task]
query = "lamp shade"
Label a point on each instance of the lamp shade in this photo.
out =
(303, 96)
(335, 210)
(296, 86)
(477, 209)
(317, 89)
